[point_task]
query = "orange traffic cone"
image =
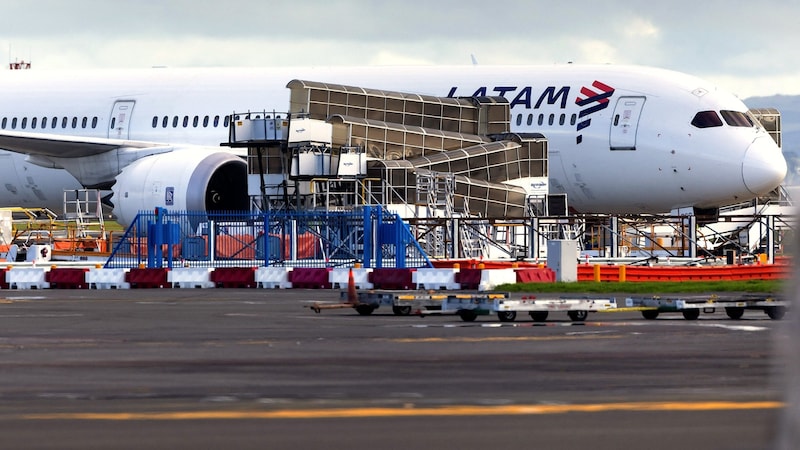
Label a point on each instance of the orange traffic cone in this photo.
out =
(352, 296)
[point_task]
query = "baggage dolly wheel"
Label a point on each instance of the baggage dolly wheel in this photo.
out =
(467, 315)
(578, 315)
(365, 309)
(650, 314)
(734, 312)
(506, 316)
(538, 316)
(775, 312)
(401, 310)
(691, 314)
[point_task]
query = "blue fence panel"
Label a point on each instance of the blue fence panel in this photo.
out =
(292, 238)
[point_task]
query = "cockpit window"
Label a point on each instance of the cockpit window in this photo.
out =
(706, 119)
(736, 118)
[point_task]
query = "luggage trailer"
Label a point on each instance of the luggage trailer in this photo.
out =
(691, 306)
(468, 306)
(538, 309)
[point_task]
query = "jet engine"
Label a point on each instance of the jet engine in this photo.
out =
(194, 179)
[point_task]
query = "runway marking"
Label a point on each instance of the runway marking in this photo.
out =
(734, 327)
(504, 338)
(37, 316)
(456, 410)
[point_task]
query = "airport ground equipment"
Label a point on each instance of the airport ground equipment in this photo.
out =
(577, 308)
(692, 306)
(404, 303)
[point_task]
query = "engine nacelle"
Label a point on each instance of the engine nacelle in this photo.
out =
(190, 180)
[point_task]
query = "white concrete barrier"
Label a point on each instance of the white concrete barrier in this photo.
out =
(27, 278)
(190, 277)
(273, 277)
(491, 278)
(433, 278)
(107, 279)
(339, 277)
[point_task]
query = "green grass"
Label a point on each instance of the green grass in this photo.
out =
(684, 287)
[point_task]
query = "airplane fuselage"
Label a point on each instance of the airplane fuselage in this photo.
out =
(621, 139)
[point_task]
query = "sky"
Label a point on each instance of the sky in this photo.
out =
(749, 48)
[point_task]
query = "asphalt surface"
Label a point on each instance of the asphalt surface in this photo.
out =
(250, 368)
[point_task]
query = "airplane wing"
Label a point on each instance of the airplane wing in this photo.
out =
(63, 146)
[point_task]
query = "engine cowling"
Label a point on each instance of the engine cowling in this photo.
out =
(192, 180)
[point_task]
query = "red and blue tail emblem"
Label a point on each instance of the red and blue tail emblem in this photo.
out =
(594, 100)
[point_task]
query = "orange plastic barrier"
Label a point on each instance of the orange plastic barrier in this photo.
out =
(487, 264)
(537, 275)
(239, 246)
(139, 247)
(703, 273)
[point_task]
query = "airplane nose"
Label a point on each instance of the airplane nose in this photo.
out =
(763, 167)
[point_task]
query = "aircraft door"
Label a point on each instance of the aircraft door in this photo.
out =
(120, 119)
(625, 122)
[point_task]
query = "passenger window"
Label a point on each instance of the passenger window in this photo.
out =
(24, 122)
(54, 122)
(562, 119)
(573, 118)
(541, 119)
(155, 121)
(226, 122)
(33, 123)
(736, 119)
(113, 122)
(4, 123)
(94, 122)
(84, 122)
(175, 122)
(216, 121)
(64, 122)
(551, 120)
(530, 119)
(164, 122)
(706, 119)
(205, 121)
(185, 121)
(519, 119)
(74, 122)
(14, 123)
(44, 122)
(195, 121)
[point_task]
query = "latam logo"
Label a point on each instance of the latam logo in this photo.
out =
(593, 100)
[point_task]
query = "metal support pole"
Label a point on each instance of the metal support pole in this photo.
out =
(533, 239)
(369, 237)
(692, 236)
(454, 227)
(614, 226)
(770, 239)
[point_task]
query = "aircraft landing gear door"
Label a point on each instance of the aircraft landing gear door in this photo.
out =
(120, 118)
(625, 122)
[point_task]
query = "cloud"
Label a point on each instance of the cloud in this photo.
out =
(739, 40)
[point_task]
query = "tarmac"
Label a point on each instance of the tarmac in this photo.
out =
(256, 368)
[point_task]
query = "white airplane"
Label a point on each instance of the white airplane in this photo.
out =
(622, 139)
